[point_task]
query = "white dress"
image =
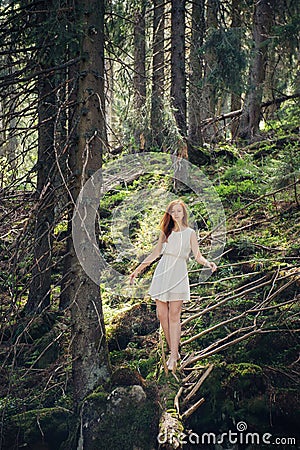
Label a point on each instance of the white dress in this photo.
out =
(170, 280)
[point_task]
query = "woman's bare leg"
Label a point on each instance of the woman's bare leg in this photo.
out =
(162, 309)
(174, 330)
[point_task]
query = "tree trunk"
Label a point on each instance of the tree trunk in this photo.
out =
(195, 80)
(72, 75)
(139, 77)
(157, 96)
(271, 83)
(236, 101)
(209, 90)
(111, 118)
(89, 348)
(40, 285)
(8, 137)
(250, 118)
(11, 122)
(178, 76)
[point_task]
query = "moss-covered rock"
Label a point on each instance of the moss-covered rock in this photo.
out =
(44, 429)
(140, 320)
(124, 419)
(244, 380)
(124, 376)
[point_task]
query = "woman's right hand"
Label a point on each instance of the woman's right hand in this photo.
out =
(132, 276)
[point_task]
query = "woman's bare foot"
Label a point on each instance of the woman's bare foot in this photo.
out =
(172, 364)
(178, 358)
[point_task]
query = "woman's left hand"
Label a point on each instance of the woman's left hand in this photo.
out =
(212, 266)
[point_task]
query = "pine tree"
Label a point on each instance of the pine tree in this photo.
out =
(251, 114)
(158, 79)
(178, 74)
(89, 349)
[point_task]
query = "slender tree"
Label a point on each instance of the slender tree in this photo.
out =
(251, 114)
(40, 286)
(178, 74)
(236, 101)
(208, 85)
(139, 77)
(157, 94)
(10, 149)
(195, 81)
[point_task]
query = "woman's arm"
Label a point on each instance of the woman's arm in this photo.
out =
(149, 259)
(197, 254)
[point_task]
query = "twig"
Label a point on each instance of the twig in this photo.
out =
(221, 302)
(222, 347)
(198, 384)
(192, 409)
(226, 278)
(176, 400)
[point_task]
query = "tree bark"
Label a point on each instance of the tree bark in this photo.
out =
(195, 81)
(250, 118)
(89, 348)
(157, 96)
(178, 76)
(139, 77)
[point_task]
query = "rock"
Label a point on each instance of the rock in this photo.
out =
(126, 418)
(124, 376)
(124, 397)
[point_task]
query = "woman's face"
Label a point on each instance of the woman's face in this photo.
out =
(177, 213)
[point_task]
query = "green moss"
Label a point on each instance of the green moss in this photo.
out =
(98, 396)
(119, 421)
(243, 369)
(46, 427)
(139, 320)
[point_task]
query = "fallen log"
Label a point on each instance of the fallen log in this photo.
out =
(170, 431)
(238, 112)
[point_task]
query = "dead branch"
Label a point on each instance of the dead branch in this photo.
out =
(221, 302)
(197, 386)
(192, 409)
(256, 200)
(176, 400)
(256, 309)
(250, 225)
(238, 112)
(224, 346)
(220, 280)
(170, 429)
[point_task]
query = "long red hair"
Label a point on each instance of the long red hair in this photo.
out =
(167, 223)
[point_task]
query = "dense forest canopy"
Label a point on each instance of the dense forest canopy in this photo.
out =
(90, 87)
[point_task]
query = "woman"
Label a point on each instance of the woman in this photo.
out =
(170, 283)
